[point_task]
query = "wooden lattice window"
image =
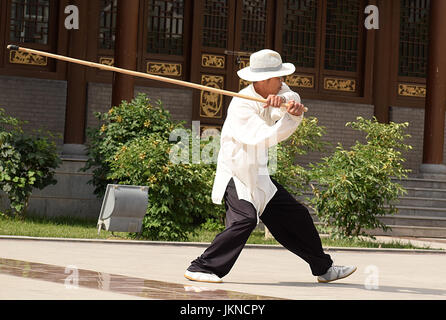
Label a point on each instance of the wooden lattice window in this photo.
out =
(165, 25)
(342, 35)
(299, 32)
(215, 23)
(29, 21)
(107, 24)
(414, 30)
(253, 25)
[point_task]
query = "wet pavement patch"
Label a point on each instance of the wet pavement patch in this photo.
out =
(71, 276)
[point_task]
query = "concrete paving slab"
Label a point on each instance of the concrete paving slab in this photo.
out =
(269, 272)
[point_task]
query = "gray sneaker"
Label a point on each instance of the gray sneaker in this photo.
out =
(336, 273)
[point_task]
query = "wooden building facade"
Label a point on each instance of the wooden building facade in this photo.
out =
(343, 69)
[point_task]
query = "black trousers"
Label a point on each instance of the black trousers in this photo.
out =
(288, 221)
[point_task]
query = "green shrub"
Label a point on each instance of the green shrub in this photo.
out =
(355, 186)
(118, 126)
(26, 162)
(132, 147)
(179, 194)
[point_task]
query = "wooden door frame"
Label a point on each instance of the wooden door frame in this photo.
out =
(56, 33)
(395, 98)
(197, 49)
(364, 75)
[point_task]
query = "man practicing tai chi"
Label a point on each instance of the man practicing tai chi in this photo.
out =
(242, 178)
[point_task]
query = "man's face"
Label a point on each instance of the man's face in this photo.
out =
(274, 85)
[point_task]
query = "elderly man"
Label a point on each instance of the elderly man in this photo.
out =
(242, 178)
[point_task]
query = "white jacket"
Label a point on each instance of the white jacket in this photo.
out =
(249, 130)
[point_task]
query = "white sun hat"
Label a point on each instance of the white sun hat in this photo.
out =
(265, 64)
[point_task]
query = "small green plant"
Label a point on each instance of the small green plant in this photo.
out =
(355, 186)
(26, 162)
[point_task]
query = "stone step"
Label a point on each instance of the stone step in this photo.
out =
(426, 193)
(406, 220)
(420, 207)
(422, 183)
(408, 231)
(411, 231)
(421, 211)
(408, 210)
(417, 221)
(421, 202)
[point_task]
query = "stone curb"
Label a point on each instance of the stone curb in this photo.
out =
(206, 244)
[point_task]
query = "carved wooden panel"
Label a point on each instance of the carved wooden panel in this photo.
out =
(412, 90)
(211, 103)
(107, 24)
(215, 23)
(342, 35)
(109, 61)
(253, 29)
(30, 21)
(299, 36)
(414, 30)
(165, 27)
(164, 68)
(301, 81)
(20, 57)
(213, 61)
(338, 84)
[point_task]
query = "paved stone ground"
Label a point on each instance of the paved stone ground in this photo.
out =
(273, 272)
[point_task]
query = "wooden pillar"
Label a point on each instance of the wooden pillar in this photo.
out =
(76, 107)
(434, 120)
(125, 49)
(383, 46)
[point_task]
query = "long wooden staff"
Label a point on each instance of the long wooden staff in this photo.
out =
(137, 74)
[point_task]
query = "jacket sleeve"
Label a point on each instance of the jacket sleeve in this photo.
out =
(249, 128)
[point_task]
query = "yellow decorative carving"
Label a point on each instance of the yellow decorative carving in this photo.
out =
(243, 84)
(164, 68)
(412, 90)
(32, 59)
(109, 61)
(297, 80)
(243, 63)
(211, 103)
(338, 84)
(213, 61)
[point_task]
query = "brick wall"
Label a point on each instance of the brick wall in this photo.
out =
(41, 102)
(177, 101)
